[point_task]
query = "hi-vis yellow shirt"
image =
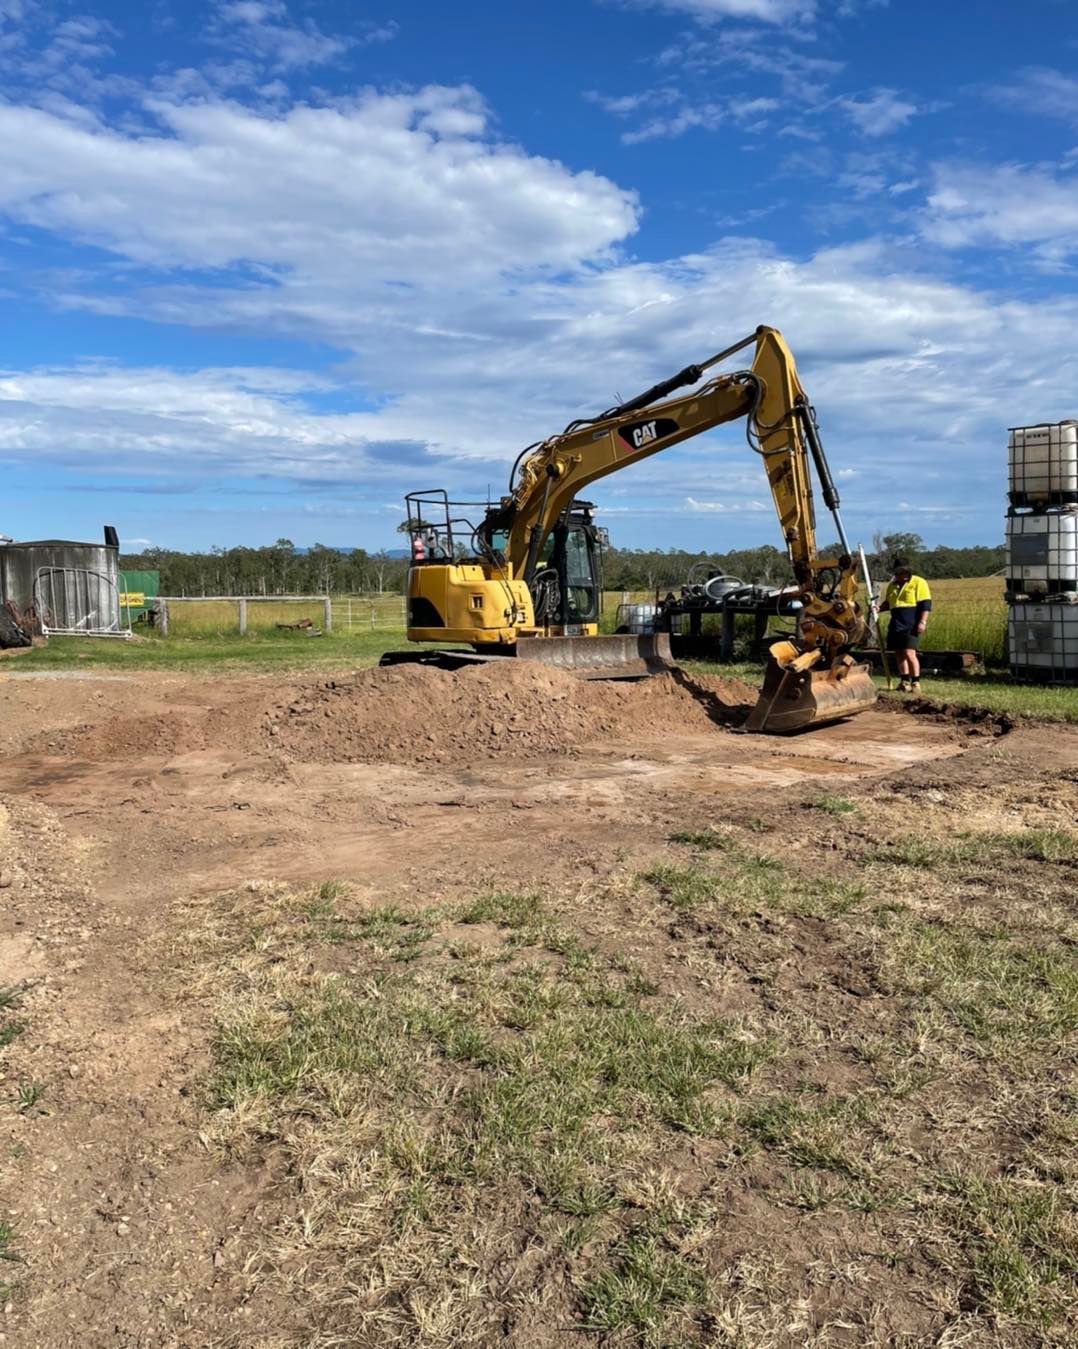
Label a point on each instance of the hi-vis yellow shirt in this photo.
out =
(912, 595)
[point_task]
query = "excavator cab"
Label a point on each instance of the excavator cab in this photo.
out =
(567, 588)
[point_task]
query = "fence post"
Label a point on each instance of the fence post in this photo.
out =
(327, 605)
(349, 613)
(243, 617)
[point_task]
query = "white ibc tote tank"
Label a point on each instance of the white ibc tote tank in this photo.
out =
(1043, 642)
(1042, 464)
(1042, 553)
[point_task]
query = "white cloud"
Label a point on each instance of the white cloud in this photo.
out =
(1004, 204)
(724, 507)
(891, 357)
(268, 33)
(880, 114)
(757, 53)
(1039, 89)
(748, 109)
(623, 105)
(478, 300)
(392, 188)
(764, 11)
(703, 116)
(708, 115)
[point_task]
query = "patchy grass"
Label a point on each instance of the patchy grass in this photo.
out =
(1021, 1243)
(985, 849)
(833, 805)
(470, 1082)
(28, 1098)
(997, 692)
(743, 880)
(1008, 995)
(707, 840)
(497, 1126)
(644, 1283)
(9, 1255)
(10, 1027)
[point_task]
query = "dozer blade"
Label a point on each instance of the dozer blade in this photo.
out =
(796, 695)
(620, 657)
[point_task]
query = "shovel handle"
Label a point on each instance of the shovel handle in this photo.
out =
(874, 612)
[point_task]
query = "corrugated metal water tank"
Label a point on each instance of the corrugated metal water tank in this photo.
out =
(1042, 464)
(1043, 642)
(1042, 553)
(77, 583)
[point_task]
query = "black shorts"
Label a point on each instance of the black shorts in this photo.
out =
(902, 641)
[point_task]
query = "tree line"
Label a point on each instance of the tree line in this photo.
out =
(283, 569)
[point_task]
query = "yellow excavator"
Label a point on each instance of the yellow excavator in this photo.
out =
(525, 579)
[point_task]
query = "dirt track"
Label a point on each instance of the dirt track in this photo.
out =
(125, 799)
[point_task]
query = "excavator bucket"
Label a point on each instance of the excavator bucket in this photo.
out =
(620, 657)
(794, 694)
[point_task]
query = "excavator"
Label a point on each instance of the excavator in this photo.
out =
(525, 580)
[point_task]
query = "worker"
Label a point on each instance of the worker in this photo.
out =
(908, 600)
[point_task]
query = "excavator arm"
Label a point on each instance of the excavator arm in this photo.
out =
(781, 428)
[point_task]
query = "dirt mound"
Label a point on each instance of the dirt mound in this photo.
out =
(153, 736)
(420, 714)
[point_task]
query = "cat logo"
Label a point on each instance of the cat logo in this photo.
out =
(638, 435)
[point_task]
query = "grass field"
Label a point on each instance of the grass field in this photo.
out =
(220, 618)
(266, 650)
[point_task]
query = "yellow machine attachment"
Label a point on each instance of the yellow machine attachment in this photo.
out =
(525, 577)
(795, 695)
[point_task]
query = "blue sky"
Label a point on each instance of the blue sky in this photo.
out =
(266, 266)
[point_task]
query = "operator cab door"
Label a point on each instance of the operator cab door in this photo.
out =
(569, 577)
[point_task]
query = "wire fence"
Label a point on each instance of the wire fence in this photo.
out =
(369, 613)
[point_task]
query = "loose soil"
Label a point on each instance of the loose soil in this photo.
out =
(131, 805)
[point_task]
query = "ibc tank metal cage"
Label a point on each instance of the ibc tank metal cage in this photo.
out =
(1042, 465)
(1042, 552)
(1043, 643)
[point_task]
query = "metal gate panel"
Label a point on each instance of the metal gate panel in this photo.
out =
(79, 602)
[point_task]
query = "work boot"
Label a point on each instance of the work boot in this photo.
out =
(903, 686)
(915, 686)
